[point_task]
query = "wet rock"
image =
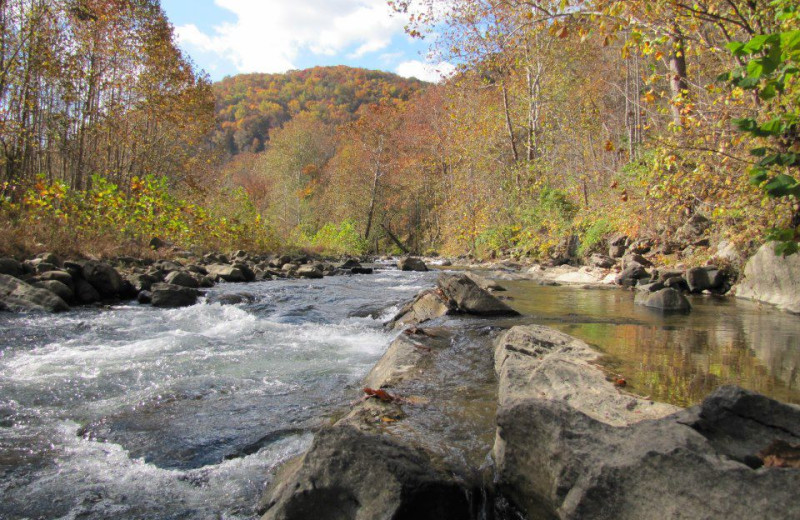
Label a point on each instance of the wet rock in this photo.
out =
(485, 283)
(232, 298)
(464, 295)
(361, 270)
(678, 283)
(102, 277)
(50, 258)
(141, 282)
(182, 278)
(554, 461)
(10, 267)
(400, 361)
(425, 306)
(18, 296)
(698, 280)
(309, 271)
(144, 297)
(601, 261)
(649, 287)
(668, 300)
(634, 258)
(58, 288)
(227, 273)
(349, 474)
(631, 274)
(85, 292)
(247, 272)
(168, 295)
(411, 263)
(773, 279)
(61, 276)
(350, 263)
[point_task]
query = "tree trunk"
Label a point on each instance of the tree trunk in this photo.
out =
(677, 69)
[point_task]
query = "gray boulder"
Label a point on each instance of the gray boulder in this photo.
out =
(351, 475)
(102, 277)
(350, 263)
(227, 273)
(694, 227)
(485, 283)
(554, 461)
(141, 282)
(309, 271)
(410, 263)
(668, 300)
(18, 296)
(424, 307)
(182, 278)
(10, 267)
(85, 292)
(601, 261)
(61, 276)
(773, 279)
(698, 279)
(464, 295)
(168, 295)
(58, 288)
(631, 275)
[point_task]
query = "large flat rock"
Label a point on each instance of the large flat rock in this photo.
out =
(773, 279)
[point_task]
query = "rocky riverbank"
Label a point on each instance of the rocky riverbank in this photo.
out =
(567, 442)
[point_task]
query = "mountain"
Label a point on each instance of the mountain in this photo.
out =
(250, 105)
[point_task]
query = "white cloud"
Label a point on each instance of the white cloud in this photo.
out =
(269, 34)
(433, 72)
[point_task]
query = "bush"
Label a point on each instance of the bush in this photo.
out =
(340, 239)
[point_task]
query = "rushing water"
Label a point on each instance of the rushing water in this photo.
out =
(135, 412)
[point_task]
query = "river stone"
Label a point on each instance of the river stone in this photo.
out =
(400, 360)
(411, 263)
(62, 276)
(678, 283)
(168, 295)
(425, 306)
(350, 263)
(227, 273)
(351, 475)
(232, 298)
(85, 292)
(554, 461)
(18, 296)
(669, 300)
(773, 279)
(182, 278)
(247, 272)
(58, 288)
(144, 297)
(698, 280)
(141, 282)
(485, 283)
(309, 271)
(102, 277)
(10, 267)
(361, 270)
(465, 296)
(631, 274)
(601, 261)
(533, 361)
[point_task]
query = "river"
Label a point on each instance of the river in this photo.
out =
(135, 412)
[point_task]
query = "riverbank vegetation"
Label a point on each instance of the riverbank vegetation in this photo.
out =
(565, 118)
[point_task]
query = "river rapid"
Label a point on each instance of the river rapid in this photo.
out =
(136, 412)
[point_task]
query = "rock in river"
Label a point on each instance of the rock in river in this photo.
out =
(668, 299)
(411, 263)
(18, 296)
(168, 295)
(772, 278)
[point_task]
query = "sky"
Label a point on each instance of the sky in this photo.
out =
(228, 37)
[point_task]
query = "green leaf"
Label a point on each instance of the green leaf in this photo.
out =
(773, 127)
(748, 83)
(757, 43)
(736, 48)
(758, 176)
(759, 152)
(782, 185)
(790, 41)
(745, 124)
(768, 92)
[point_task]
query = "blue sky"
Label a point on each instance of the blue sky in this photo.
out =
(227, 37)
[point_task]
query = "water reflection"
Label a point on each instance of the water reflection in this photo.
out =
(675, 358)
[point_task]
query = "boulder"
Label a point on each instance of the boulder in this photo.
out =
(227, 273)
(10, 267)
(156, 243)
(18, 296)
(58, 288)
(465, 296)
(144, 297)
(772, 279)
(351, 475)
(62, 276)
(554, 461)
(631, 274)
(617, 245)
(182, 278)
(102, 277)
(485, 283)
(85, 292)
(694, 227)
(361, 270)
(231, 298)
(309, 271)
(247, 272)
(49, 258)
(601, 261)
(425, 306)
(698, 280)
(350, 263)
(678, 283)
(141, 282)
(635, 258)
(168, 295)
(410, 263)
(668, 300)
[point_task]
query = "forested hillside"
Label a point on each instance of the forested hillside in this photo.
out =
(566, 122)
(250, 105)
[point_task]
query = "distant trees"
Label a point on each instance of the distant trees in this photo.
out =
(96, 87)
